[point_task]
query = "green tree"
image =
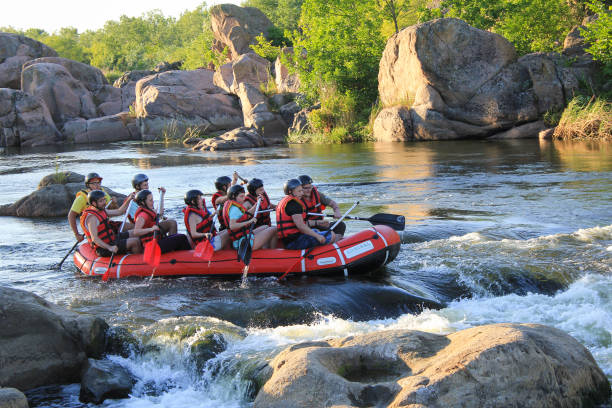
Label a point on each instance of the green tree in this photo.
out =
(285, 14)
(598, 35)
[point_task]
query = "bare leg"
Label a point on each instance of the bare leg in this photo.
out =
(134, 246)
(263, 235)
(225, 239)
(168, 226)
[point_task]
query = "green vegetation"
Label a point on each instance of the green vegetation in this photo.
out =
(599, 36)
(586, 118)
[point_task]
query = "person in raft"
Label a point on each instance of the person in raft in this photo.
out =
(100, 234)
(147, 224)
(141, 182)
(293, 229)
(316, 202)
(239, 220)
(199, 222)
(256, 190)
(93, 182)
(222, 184)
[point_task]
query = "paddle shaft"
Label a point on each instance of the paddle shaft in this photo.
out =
(59, 265)
(331, 215)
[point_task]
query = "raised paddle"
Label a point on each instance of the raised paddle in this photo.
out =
(312, 248)
(245, 250)
(397, 222)
(110, 262)
(152, 251)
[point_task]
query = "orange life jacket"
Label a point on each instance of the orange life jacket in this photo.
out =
(213, 200)
(235, 235)
(150, 219)
(203, 226)
(313, 205)
(262, 219)
(105, 232)
(285, 227)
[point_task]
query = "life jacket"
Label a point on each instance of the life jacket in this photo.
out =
(285, 227)
(313, 205)
(235, 235)
(213, 200)
(262, 219)
(105, 232)
(151, 219)
(203, 226)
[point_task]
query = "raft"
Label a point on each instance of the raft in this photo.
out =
(360, 253)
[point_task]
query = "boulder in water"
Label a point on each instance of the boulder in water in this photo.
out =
(12, 398)
(104, 379)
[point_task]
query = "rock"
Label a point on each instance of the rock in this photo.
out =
(240, 138)
(91, 77)
(172, 101)
(109, 100)
(250, 69)
(224, 77)
(15, 50)
(461, 82)
(106, 129)
(288, 111)
(546, 134)
(300, 120)
(12, 398)
(42, 343)
(120, 341)
(131, 76)
(104, 379)
(393, 125)
(496, 365)
(236, 27)
(257, 114)
(574, 44)
(65, 97)
(25, 120)
(50, 200)
(525, 131)
(207, 347)
(62, 177)
(168, 66)
(286, 82)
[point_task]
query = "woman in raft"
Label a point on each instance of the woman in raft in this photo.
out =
(199, 222)
(239, 220)
(147, 224)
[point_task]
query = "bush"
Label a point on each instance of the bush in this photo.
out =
(598, 35)
(586, 118)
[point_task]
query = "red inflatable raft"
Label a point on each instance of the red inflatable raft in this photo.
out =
(358, 253)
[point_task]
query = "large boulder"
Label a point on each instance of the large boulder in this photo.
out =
(112, 128)
(236, 27)
(500, 365)
(224, 77)
(52, 198)
(393, 125)
(462, 82)
(66, 97)
(91, 77)
(15, 50)
(42, 343)
(12, 398)
(285, 81)
(239, 138)
(180, 99)
(250, 69)
(25, 120)
(259, 115)
(104, 379)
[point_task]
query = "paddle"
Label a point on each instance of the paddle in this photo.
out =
(152, 251)
(110, 262)
(245, 250)
(205, 248)
(397, 222)
(312, 248)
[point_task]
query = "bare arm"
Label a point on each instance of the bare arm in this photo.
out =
(92, 225)
(139, 230)
(193, 222)
(72, 220)
(305, 229)
(234, 224)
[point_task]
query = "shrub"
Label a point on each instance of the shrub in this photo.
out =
(586, 118)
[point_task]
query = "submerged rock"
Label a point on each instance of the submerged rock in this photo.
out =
(496, 365)
(12, 398)
(104, 379)
(206, 347)
(240, 138)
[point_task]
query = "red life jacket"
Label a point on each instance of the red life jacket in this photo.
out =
(262, 219)
(285, 227)
(235, 235)
(150, 219)
(313, 205)
(213, 200)
(204, 226)
(105, 232)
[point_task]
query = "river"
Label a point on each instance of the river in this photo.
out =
(517, 231)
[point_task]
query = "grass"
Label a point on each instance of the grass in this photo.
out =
(60, 176)
(172, 132)
(585, 118)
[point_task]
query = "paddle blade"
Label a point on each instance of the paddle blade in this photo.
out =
(107, 273)
(397, 222)
(201, 248)
(245, 250)
(208, 252)
(152, 253)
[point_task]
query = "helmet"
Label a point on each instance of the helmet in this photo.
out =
(234, 191)
(290, 185)
(191, 197)
(92, 176)
(253, 185)
(139, 178)
(221, 182)
(141, 197)
(304, 179)
(94, 196)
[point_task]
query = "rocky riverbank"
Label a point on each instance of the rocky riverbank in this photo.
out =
(493, 365)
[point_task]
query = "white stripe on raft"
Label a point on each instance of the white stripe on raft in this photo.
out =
(386, 246)
(341, 258)
(119, 266)
(92, 270)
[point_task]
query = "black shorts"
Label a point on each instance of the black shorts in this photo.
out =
(121, 243)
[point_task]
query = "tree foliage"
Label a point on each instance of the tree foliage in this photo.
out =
(598, 35)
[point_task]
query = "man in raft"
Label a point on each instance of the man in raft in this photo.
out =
(100, 234)
(140, 182)
(316, 202)
(222, 184)
(239, 220)
(256, 190)
(199, 221)
(292, 226)
(147, 228)
(93, 182)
